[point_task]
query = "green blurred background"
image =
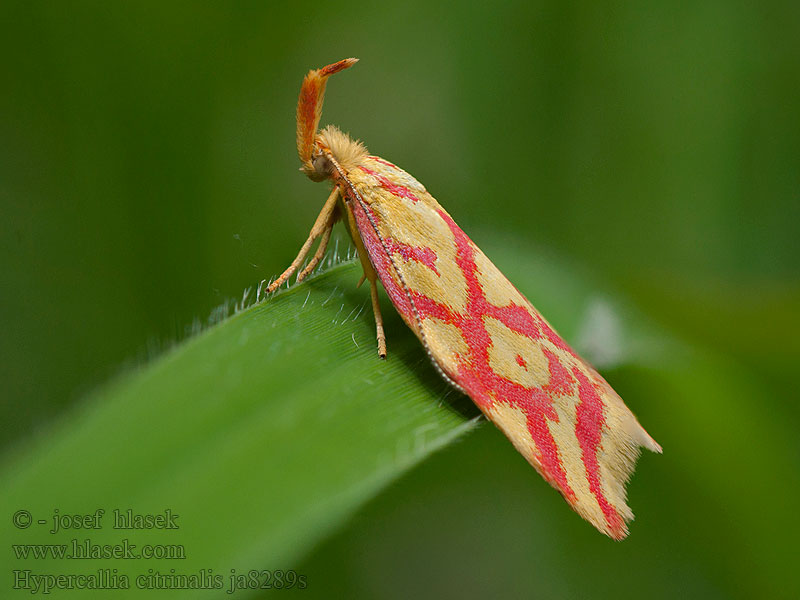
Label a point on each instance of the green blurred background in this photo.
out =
(148, 172)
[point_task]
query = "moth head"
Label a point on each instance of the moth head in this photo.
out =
(333, 150)
(320, 167)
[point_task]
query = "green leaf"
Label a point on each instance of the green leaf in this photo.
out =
(262, 433)
(266, 431)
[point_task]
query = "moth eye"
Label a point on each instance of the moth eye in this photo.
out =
(322, 168)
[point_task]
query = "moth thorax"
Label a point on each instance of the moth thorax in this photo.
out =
(348, 153)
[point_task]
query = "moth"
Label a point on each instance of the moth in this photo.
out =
(480, 332)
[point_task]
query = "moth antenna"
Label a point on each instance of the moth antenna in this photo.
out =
(309, 108)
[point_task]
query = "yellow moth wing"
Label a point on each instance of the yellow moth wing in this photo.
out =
(489, 341)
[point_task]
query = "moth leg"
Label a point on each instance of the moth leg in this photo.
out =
(376, 310)
(323, 245)
(322, 225)
(370, 275)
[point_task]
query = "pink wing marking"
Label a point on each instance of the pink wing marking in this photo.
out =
(391, 187)
(378, 159)
(561, 382)
(422, 254)
(589, 425)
